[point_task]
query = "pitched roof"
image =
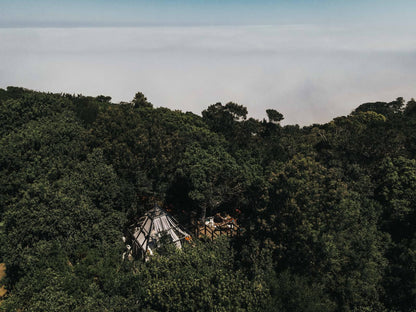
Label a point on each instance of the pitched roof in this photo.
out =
(154, 225)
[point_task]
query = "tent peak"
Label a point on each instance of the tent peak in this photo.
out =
(145, 236)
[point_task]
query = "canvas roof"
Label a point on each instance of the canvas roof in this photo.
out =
(155, 224)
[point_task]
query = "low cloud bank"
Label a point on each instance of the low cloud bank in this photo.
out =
(310, 74)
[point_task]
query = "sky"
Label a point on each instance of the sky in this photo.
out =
(310, 60)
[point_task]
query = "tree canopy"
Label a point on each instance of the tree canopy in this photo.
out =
(327, 210)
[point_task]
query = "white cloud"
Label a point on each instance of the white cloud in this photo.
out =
(310, 74)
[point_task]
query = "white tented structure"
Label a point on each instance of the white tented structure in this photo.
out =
(155, 224)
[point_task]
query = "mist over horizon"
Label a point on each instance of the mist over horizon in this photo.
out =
(309, 73)
(312, 61)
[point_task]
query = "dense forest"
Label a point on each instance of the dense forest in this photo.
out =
(327, 210)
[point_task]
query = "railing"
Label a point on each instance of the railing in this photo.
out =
(214, 232)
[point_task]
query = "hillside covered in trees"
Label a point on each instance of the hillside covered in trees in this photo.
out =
(329, 211)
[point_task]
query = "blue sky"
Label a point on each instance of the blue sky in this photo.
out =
(310, 60)
(64, 13)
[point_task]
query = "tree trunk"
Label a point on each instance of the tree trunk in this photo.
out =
(203, 213)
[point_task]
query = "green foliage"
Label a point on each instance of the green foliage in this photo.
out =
(224, 118)
(294, 293)
(396, 191)
(387, 109)
(321, 229)
(199, 278)
(214, 177)
(274, 115)
(140, 101)
(327, 211)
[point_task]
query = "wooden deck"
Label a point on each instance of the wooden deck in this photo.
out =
(212, 232)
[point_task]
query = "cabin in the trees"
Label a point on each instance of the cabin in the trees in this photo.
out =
(155, 228)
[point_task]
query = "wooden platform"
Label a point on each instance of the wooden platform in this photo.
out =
(212, 231)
